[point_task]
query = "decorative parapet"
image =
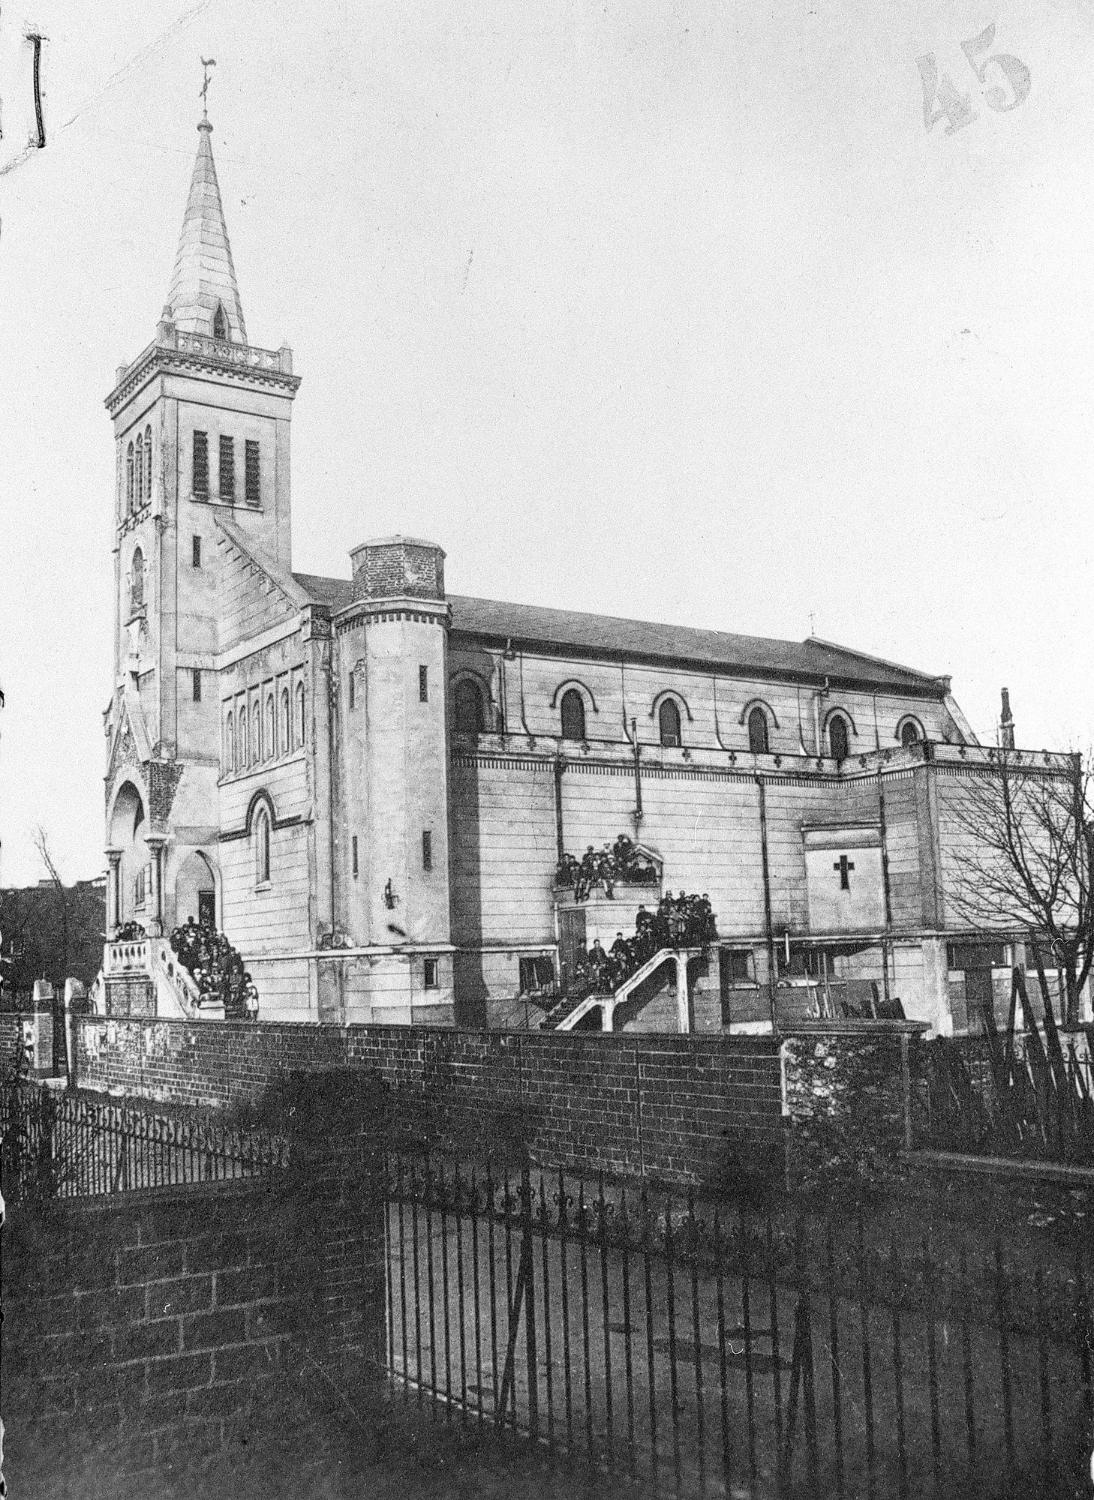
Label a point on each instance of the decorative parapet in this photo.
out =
(235, 354)
(172, 348)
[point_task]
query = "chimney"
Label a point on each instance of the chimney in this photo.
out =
(398, 567)
(1006, 722)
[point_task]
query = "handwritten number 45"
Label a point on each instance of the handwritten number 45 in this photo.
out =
(941, 100)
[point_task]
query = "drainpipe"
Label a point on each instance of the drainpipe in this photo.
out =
(560, 766)
(886, 944)
(523, 720)
(717, 729)
(637, 814)
(768, 926)
(502, 714)
(817, 696)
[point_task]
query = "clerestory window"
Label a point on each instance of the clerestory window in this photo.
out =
(573, 715)
(758, 741)
(668, 719)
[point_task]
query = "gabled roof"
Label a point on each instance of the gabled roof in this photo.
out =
(531, 626)
(204, 275)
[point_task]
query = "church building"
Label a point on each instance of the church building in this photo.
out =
(367, 783)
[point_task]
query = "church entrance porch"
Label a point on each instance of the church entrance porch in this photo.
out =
(195, 891)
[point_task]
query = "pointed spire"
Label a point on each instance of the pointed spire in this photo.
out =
(204, 279)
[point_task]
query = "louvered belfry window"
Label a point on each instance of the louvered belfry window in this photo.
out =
(201, 463)
(227, 469)
(252, 477)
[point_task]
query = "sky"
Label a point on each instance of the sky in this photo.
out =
(668, 310)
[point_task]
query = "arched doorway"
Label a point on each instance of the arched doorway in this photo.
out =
(195, 891)
(127, 830)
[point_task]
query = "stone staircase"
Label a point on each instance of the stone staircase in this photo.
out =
(571, 1009)
(143, 977)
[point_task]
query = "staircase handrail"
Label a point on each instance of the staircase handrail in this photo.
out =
(615, 997)
(166, 961)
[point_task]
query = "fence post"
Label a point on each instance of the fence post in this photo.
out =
(906, 1082)
(527, 1266)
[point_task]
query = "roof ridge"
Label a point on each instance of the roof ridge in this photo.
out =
(585, 631)
(882, 661)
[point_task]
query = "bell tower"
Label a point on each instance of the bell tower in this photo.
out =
(201, 427)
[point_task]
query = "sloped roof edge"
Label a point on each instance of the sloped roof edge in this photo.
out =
(613, 636)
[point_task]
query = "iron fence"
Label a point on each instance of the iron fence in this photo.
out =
(706, 1349)
(1008, 1095)
(63, 1145)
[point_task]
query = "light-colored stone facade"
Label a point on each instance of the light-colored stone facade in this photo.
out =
(293, 755)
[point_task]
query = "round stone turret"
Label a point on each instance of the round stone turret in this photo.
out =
(398, 567)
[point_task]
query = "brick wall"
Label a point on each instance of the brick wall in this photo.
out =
(152, 1318)
(11, 1037)
(147, 1333)
(672, 1106)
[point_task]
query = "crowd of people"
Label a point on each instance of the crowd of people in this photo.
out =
(217, 969)
(619, 863)
(129, 932)
(681, 921)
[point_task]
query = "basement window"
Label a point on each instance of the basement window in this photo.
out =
(430, 974)
(195, 558)
(427, 849)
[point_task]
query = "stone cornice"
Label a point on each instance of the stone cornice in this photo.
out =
(406, 607)
(167, 360)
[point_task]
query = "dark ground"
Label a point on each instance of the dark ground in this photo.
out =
(397, 1447)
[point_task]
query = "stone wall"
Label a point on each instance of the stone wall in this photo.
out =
(849, 1090)
(680, 1107)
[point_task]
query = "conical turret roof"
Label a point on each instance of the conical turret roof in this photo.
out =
(204, 277)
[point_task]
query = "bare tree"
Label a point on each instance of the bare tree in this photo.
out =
(1028, 863)
(41, 843)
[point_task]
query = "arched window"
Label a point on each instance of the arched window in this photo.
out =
(839, 743)
(271, 742)
(262, 846)
(286, 722)
(129, 479)
(469, 715)
(148, 463)
(256, 735)
(139, 465)
(136, 581)
(300, 724)
(220, 323)
(229, 743)
(668, 719)
(910, 733)
(758, 741)
(241, 746)
(573, 715)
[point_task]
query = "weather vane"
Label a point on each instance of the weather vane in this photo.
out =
(206, 63)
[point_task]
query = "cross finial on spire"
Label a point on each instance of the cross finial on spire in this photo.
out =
(206, 63)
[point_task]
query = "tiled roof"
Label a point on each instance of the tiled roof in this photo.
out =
(531, 625)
